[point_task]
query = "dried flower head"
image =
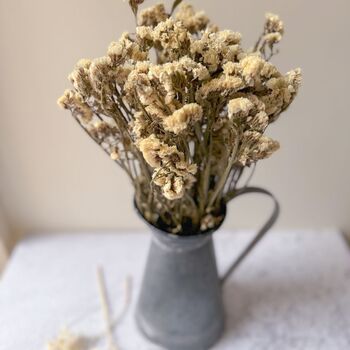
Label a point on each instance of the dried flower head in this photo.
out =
(273, 24)
(181, 118)
(152, 16)
(174, 182)
(240, 106)
(194, 22)
(66, 341)
(272, 38)
(254, 147)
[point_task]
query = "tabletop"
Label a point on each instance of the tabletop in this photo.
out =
(292, 292)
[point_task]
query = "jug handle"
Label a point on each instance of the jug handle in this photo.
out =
(261, 233)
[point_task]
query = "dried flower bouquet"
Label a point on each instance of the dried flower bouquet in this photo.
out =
(183, 109)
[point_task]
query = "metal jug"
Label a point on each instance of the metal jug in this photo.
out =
(180, 306)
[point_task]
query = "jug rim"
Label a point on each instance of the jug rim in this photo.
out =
(200, 234)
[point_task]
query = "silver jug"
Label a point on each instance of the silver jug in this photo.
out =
(180, 306)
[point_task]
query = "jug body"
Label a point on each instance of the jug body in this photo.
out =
(180, 304)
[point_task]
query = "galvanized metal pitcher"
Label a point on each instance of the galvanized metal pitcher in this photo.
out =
(180, 305)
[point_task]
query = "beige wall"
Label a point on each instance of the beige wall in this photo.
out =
(53, 177)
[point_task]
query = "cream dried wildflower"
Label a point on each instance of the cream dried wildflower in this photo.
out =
(152, 16)
(273, 24)
(224, 86)
(144, 90)
(164, 75)
(182, 168)
(170, 76)
(239, 107)
(101, 127)
(255, 146)
(98, 73)
(118, 50)
(265, 148)
(269, 71)
(115, 154)
(173, 187)
(141, 125)
(138, 85)
(145, 34)
(156, 112)
(66, 341)
(124, 49)
(171, 35)
(231, 68)
(216, 48)
(67, 98)
(251, 66)
(282, 92)
(174, 181)
(121, 73)
(158, 153)
(211, 59)
(74, 101)
(194, 22)
(197, 70)
(210, 221)
(150, 148)
(170, 156)
(84, 63)
(173, 174)
(249, 112)
(80, 77)
(180, 119)
(273, 38)
(259, 106)
(185, 65)
(294, 79)
(259, 122)
(226, 37)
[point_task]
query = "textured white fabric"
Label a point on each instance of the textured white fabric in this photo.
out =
(292, 292)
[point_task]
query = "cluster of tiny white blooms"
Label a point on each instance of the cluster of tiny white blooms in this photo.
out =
(255, 146)
(239, 106)
(180, 119)
(273, 24)
(193, 21)
(171, 171)
(214, 49)
(174, 181)
(74, 101)
(66, 341)
(272, 35)
(150, 17)
(209, 222)
(185, 124)
(249, 110)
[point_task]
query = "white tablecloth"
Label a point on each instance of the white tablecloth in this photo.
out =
(292, 292)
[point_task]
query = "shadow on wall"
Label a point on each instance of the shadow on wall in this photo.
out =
(346, 236)
(4, 241)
